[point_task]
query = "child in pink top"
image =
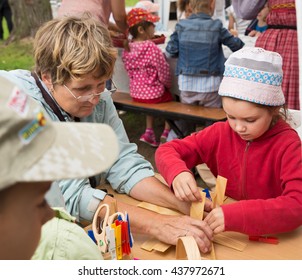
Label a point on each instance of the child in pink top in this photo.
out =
(147, 68)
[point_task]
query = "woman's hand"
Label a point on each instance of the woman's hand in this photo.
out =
(171, 228)
(215, 219)
(185, 187)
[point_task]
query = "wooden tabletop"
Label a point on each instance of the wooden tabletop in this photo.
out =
(170, 110)
(289, 247)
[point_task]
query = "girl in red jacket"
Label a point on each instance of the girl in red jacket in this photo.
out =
(255, 149)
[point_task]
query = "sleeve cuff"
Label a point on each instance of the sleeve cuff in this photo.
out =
(89, 206)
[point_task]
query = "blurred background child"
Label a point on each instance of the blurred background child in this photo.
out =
(197, 42)
(258, 25)
(147, 68)
(184, 8)
(152, 8)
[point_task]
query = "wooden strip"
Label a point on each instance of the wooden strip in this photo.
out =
(214, 198)
(197, 208)
(220, 189)
(161, 246)
(226, 241)
(158, 209)
(149, 244)
(206, 175)
(213, 255)
(154, 244)
(196, 211)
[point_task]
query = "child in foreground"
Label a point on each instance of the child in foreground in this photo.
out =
(255, 149)
(31, 148)
(147, 69)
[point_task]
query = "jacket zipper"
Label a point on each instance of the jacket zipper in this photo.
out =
(243, 185)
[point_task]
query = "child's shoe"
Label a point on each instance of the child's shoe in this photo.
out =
(149, 138)
(164, 136)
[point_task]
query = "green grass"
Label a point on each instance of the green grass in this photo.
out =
(131, 3)
(19, 55)
(16, 55)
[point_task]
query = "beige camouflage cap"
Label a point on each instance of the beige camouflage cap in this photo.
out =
(33, 148)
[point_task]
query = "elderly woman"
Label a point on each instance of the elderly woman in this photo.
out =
(73, 59)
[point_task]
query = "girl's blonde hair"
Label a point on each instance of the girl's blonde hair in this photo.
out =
(201, 6)
(181, 5)
(71, 47)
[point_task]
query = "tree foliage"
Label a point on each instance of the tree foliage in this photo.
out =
(28, 15)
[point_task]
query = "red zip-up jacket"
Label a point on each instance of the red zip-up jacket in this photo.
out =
(264, 176)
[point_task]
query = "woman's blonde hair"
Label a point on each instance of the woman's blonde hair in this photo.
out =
(71, 47)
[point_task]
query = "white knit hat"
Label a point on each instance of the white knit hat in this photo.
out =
(254, 75)
(34, 149)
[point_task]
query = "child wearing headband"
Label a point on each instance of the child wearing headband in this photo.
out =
(255, 149)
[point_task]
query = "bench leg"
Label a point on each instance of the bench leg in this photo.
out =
(174, 126)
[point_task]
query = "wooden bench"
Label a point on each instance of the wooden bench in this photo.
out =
(170, 111)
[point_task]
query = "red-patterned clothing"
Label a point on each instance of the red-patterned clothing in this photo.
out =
(264, 175)
(166, 97)
(284, 41)
(148, 70)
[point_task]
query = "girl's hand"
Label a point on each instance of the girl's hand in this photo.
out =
(234, 32)
(215, 219)
(185, 187)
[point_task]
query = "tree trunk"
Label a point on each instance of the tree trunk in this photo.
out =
(28, 16)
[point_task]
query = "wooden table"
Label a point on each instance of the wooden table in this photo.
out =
(170, 111)
(289, 247)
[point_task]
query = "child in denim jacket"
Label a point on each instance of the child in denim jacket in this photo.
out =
(197, 42)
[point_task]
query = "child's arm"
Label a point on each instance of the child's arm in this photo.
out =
(215, 219)
(185, 187)
(234, 43)
(119, 14)
(173, 45)
(162, 66)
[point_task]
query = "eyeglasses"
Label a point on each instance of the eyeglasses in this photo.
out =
(88, 97)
